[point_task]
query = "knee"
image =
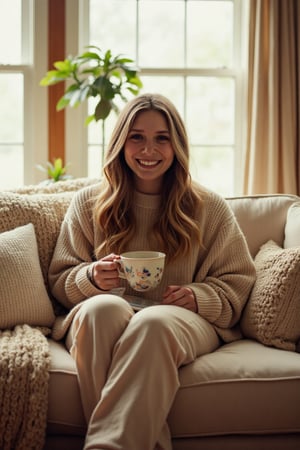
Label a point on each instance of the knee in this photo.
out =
(151, 323)
(104, 308)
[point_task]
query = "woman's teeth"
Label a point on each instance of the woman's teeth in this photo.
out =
(148, 163)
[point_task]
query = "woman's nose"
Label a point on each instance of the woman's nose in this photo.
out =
(149, 146)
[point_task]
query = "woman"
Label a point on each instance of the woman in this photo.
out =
(128, 362)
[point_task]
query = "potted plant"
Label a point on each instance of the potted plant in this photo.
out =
(97, 74)
(55, 171)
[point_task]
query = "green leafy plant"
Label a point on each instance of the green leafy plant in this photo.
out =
(97, 74)
(55, 171)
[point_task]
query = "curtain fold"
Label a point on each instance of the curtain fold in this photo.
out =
(272, 148)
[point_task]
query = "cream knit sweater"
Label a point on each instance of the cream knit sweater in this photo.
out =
(221, 275)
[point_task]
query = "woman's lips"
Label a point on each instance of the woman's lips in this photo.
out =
(144, 162)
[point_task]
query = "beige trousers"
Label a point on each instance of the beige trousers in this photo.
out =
(127, 367)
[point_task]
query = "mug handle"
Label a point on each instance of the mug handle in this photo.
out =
(120, 269)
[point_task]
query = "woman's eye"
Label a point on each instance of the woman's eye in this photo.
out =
(136, 137)
(162, 138)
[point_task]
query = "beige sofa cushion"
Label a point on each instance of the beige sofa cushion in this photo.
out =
(23, 296)
(262, 217)
(292, 227)
(272, 314)
(242, 388)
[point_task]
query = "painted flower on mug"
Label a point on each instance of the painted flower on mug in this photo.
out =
(143, 276)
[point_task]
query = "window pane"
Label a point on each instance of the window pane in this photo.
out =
(113, 26)
(209, 33)
(11, 163)
(210, 110)
(10, 32)
(11, 130)
(94, 161)
(214, 168)
(171, 87)
(11, 108)
(161, 33)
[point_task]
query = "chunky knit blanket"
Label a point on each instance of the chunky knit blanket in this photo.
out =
(24, 374)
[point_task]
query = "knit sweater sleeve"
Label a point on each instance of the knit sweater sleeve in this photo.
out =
(73, 253)
(226, 272)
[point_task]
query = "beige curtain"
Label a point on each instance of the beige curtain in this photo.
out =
(273, 148)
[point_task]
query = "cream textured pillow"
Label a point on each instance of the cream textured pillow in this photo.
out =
(23, 295)
(45, 212)
(292, 227)
(272, 314)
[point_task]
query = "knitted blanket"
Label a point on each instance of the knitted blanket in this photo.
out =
(24, 375)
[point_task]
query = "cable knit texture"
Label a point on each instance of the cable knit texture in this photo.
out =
(24, 373)
(272, 314)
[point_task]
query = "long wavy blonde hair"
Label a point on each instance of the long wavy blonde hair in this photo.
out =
(176, 227)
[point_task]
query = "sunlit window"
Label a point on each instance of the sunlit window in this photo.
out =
(10, 32)
(186, 51)
(11, 89)
(11, 130)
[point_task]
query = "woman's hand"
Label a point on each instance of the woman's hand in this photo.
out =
(180, 296)
(105, 273)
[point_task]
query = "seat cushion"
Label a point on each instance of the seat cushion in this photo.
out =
(65, 413)
(242, 388)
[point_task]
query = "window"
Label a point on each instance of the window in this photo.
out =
(12, 92)
(22, 130)
(188, 50)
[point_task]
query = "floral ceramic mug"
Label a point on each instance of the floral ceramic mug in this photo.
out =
(142, 269)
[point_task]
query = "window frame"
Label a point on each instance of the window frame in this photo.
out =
(33, 67)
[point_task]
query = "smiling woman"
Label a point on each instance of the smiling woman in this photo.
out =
(146, 201)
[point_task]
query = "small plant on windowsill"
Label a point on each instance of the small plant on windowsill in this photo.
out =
(55, 171)
(95, 74)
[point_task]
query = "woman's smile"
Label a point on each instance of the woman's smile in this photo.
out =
(148, 163)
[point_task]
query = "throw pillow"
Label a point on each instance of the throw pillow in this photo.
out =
(45, 212)
(23, 295)
(272, 314)
(292, 227)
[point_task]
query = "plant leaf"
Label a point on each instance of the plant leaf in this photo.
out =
(104, 87)
(89, 119)
(62, 103)
(102, 109)
(90, 55)
(51, 77)
(63, 66)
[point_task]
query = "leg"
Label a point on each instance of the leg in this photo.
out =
(143, 378)
(95, 329)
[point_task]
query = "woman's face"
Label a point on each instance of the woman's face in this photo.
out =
(148, 151)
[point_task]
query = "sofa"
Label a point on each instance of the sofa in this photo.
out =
(246, 394)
